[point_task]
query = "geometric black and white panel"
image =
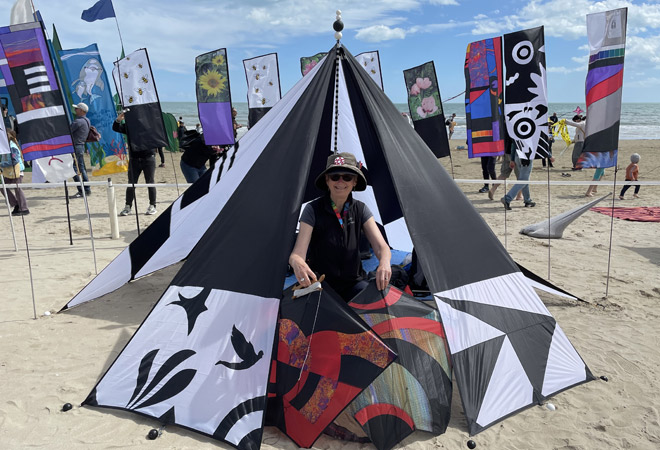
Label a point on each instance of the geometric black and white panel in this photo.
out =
(200, 360)
(508, 352)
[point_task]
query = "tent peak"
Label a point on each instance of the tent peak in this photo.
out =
(338, 26)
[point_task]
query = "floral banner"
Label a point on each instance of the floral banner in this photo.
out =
(263, 79)
(426, 107)
(307, 63)
(214, 98)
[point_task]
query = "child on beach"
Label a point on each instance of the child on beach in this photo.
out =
(632, 172)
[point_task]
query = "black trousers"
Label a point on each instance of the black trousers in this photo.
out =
(137, 165)
(488, 168)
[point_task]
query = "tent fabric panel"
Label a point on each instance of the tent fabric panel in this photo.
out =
(427, 212)
(170, 364)
(508, 388)
(565, 367)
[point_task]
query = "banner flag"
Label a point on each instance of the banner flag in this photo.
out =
(526, 98)
(484, 118)
(137, 90)
(370, 61)
(214, 97)
(425, 107)
(102, 9)
(263, 79)
(21, 12)
(607, 43)
(87, 81)
(307, 63)
(30, 79)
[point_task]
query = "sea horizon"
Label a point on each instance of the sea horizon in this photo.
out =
(638, 120)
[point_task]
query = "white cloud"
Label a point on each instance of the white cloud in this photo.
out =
(443, 2)
(566, 70)
(378, 33)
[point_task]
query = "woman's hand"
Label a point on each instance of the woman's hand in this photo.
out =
(383, 276)
(304, 274)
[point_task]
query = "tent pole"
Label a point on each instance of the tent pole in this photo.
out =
(549, 243)
(68, 212)
(609, 253)
(89, 218)
(27, 250)
(176, 180)
(11, 222)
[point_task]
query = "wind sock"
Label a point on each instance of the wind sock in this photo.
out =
(136, 87)
(526, 99)
(370, 61)
(214, 97)
(102, 9)
(30, 79)
(483, 98)
(88, 83)
(263, 79)
(307, 63)
(426, 107)
(607, 42)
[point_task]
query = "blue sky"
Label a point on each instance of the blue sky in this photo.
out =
(406, 33)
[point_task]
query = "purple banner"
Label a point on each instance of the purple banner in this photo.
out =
(216, 122)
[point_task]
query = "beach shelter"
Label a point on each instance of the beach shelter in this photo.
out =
(235, 228)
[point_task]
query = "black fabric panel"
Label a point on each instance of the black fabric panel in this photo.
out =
(357, 371)
(143, 248)
(379, 173)
(306, 392)
(236, 414)
(255, 114)
(532, 347)
(434, 133)
(197, 190)
(386, 431)
(39, 130)
(599, 142)
(440, 218)
(531, 39)
(606, 62)
(145, 126)
(473, 369)
(259, 220)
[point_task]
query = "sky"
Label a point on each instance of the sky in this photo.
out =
(406, 33)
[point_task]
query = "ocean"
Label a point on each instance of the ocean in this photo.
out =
(638, 120)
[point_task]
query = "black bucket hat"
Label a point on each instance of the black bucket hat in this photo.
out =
(342, 162)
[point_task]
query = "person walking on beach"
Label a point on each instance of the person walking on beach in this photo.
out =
(181, 130)
(451, 124)
(139, 160)
(632, 174)
(9, 163)
(79, 131)
(524, 170)
(505, 170)
(580, 124)
(593, 189)
(487, 171)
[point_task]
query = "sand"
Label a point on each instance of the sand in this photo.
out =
(58, 358)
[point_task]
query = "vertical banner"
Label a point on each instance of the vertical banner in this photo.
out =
(607, 43)
(87, 81)
(307, 63)
(137, 90)
(263, 80)
(370, 61)
(30, 80)
(425, 107)
(483, 98)
(526, 99)
(214, 97)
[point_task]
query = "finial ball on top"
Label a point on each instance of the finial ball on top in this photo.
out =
(338, 25)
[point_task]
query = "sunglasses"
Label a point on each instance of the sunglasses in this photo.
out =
(346, 177)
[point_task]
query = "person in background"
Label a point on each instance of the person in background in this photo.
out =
(8, 163)
(632, 174)
(451, 124)
(139, 160)
(237, 125)
(580, 125)
(330, 229)
(524, 172)
(198, 128)
(505, 169)
(181, 129)
(10, 121)
(162, 157)
(79, 132)
(488, 171)
(593, 189)
(195, 156)
(551, 140)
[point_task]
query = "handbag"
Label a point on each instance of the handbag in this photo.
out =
(11, 171)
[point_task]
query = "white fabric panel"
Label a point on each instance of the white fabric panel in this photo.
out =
(604, 25)
(133, 79)
(215, 389)
(565, 367)
(508, 291)
(508, 390)
(4, 142)
(548, 289)
(53, 169)
(41, 113)
(3, 62)
(464, 330)
(36, 69)
(40, 89)
(38, 79)
(263, 81)
(3, 83)
(106, 281)
(398, 235)
(21, 12)
(370, 61)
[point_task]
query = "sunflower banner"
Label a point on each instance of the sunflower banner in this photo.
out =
(263, 80)
(214, 98)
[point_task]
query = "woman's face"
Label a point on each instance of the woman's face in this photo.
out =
(338, 184)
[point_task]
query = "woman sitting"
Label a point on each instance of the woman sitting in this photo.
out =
(330, 226)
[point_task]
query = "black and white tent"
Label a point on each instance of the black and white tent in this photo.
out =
(201, 357)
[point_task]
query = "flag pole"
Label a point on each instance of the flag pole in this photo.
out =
(119, 32)
(11, 222)
(27, 251)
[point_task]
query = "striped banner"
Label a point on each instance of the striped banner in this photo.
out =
(607, 42)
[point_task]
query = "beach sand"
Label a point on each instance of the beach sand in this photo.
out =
(58, 358)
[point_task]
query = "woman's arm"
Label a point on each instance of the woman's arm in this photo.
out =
(304, 274)
(382, 252)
